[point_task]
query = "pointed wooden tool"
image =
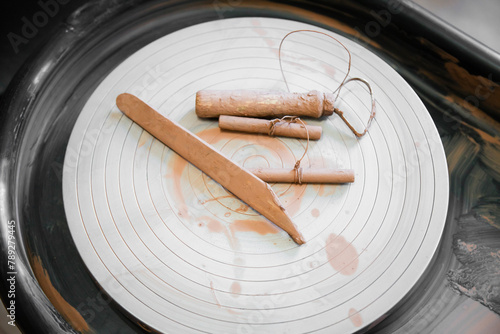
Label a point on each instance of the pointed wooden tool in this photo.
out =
(243, 184)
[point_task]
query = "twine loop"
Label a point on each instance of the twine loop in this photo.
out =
(345, 80)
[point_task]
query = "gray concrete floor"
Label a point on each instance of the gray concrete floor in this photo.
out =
(479, 19)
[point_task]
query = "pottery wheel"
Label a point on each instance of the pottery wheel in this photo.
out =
(181, 254)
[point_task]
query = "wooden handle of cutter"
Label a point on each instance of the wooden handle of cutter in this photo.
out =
(249, 103)
(263, 126)
(309, 175)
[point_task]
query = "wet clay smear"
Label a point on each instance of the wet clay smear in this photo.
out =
(355, 318)
(69, 313)
(342, 255)
(477, 247)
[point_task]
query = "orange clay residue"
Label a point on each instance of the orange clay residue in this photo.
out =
(214, 225)
(325, 190)
(213, 293)
(143, 140)
(482, 87)
(258, 226)
(235, 289)
(261, 32)
(216, 199)
(329, 69)
(243, 208)
(355, 318)
(443, 54)
(475, 111)
(292, 198)
(179, 164)
(214, 135)
(315, 212)
(341, 254)
(489, 139)
(69, 313)
(470, 247)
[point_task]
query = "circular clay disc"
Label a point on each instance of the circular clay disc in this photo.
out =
(181, 254)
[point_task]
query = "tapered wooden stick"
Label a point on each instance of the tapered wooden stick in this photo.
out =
(249, 103)
(306, 175)
(275, 127)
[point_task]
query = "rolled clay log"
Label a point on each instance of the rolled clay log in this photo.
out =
(281, 128)
(309, 175)
(249, 103)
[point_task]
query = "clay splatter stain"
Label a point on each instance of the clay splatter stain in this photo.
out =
(215, 226)
(469, 247)
(292, 198)
(235, 289)
(213, 293)
(329, 69)
(177, 166)
(313, 264)
(326, 190)
(262, 32)
(341, 254)
(259, 31)
(270, 42)
(315, 212)
(355, 318)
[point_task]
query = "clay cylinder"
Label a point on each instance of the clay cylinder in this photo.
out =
(258, 125)
(249, 103)
(309, 175)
